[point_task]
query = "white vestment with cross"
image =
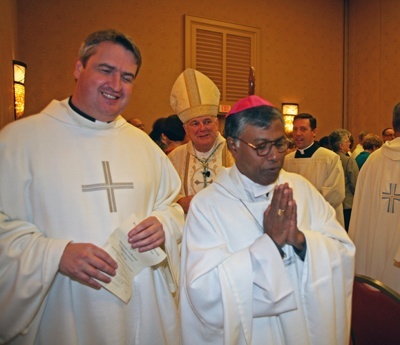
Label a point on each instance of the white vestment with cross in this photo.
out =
(64, 178)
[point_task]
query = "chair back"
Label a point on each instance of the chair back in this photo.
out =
(375, 316)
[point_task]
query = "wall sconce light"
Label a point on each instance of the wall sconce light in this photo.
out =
(289, 110)
(19, 88)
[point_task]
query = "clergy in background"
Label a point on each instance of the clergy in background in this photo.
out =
(195, 99)
(375, 221)
(320, 166)
(264, 259)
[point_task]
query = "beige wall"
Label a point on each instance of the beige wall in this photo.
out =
(302, 52)
(374, 64)
(8, 52)
(301, 48)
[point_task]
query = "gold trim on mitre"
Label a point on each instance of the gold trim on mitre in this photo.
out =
(194, 95)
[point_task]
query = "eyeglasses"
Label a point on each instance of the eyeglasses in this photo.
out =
(265, 147)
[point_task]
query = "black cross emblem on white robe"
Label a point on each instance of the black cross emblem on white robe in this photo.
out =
(108, 186)
(391, 196)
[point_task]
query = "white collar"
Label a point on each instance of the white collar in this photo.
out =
(254, 189)
(302, 150)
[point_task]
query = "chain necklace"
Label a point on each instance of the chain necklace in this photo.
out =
(204, 162)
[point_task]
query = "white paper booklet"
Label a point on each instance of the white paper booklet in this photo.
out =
(130, 261)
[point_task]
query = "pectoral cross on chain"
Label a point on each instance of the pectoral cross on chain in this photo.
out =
(109, 186)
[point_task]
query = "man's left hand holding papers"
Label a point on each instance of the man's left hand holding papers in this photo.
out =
(130, 261)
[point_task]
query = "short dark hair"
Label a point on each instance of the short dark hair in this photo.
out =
(261, 116)
(157, 129)
(324, 142)
(396, 118)
(384, 131)
(173, 128)
(313, 120)
(88, 47)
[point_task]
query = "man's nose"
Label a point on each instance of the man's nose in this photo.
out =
(115, 82)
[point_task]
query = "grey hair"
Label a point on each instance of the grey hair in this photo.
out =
(337, 137)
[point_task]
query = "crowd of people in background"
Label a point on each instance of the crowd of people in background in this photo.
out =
(352, 158)
(371, 206)
(369, 212)
(261, 232)
(366, 200)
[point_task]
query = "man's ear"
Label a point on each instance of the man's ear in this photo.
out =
(78, 69)
(164, 139)
(232, 146)
(315, 132)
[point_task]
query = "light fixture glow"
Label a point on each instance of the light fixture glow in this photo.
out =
(289, 110)
(19, 88)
